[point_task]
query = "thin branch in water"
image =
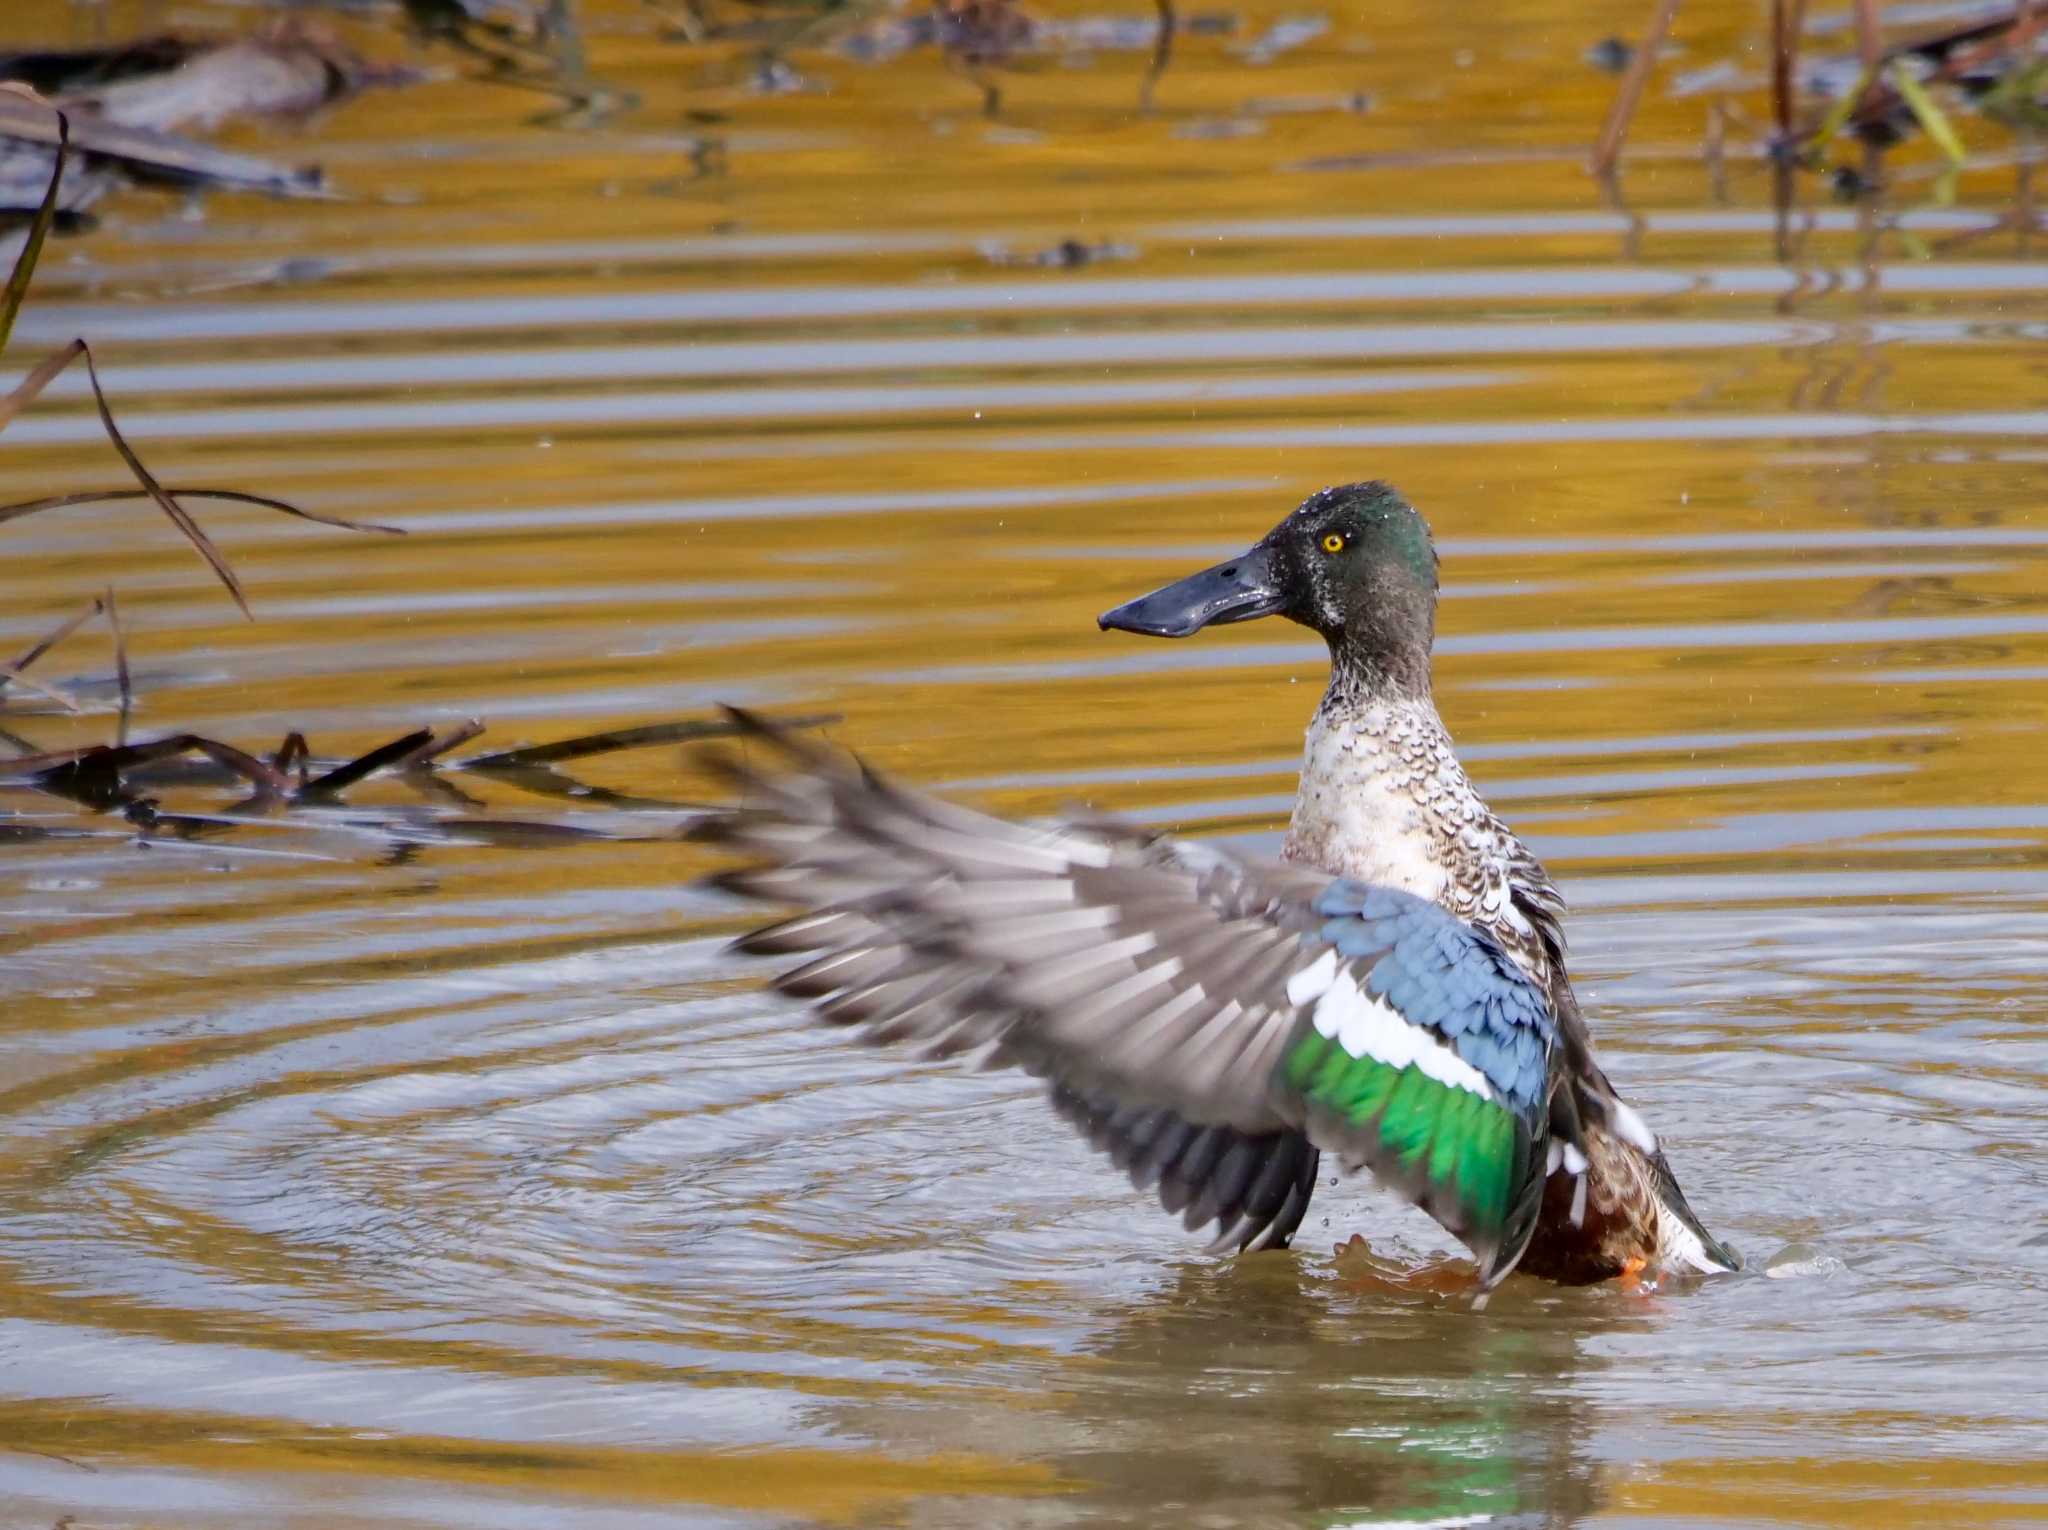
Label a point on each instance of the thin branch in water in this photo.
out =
(1781, 69)
(1788, 30)
(180, 518)
(344, 776)
(38, 229)
(50, 640)
(24, 507)
(292, 754)
(120, 666)
(94, 772)
(434, 748)
(626, 738)
(93, 775)
(257, 772)
(1795, 37)
(47, 692)
(1162, 52)
(21, 766)
(40, 376)
(1614, 131)
(1869, 34)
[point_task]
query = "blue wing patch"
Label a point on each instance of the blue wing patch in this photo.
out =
(1443, 974)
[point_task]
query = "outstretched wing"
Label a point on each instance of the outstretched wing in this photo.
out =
(1258, 998)
(1255, 1189)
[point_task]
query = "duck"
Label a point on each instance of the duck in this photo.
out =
(1390, 991)
(1383, 800)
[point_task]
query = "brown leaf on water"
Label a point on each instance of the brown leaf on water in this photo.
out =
(146, 153)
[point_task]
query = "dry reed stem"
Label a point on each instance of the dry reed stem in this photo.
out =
(1628, 96)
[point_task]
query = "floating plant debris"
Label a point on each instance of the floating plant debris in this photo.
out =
(129, 778)
(130, 103)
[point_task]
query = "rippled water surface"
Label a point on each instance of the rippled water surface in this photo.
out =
(421, 1161)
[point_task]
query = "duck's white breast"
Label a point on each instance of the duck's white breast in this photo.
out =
(1370, 798)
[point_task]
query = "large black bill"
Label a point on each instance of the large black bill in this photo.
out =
(1247, 586)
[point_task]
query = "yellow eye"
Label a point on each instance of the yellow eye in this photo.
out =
(1333, 542)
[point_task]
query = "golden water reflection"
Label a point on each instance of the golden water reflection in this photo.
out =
(421, 1160)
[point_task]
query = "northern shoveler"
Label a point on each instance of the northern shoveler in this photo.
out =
(1392, 991)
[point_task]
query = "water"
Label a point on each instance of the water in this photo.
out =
(422, 1162)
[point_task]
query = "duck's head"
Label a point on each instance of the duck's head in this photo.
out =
(1354, 563)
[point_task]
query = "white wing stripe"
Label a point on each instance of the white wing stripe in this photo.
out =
(1313, 981)
(1368, 1027)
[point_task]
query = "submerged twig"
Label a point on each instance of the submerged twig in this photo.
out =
(38, 229)
(93, 775)
(1788, 30)
(180, 517)
(39, 377)
(102, 776)
(1869, 34)
(166, 499)
(292, 754)
(624, 738)
(346, 775)
(48, 692)
(24, 507)
(1628, 96)
(433, 748)
(44, 372)
(120, 666)
(257, 772)
(49, 640)
(1162, 53)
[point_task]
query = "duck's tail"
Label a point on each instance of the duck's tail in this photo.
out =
(1682, 1235)
(1593, 1101)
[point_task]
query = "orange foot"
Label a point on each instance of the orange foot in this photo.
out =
(1364, 1270)
(1631, 1277)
